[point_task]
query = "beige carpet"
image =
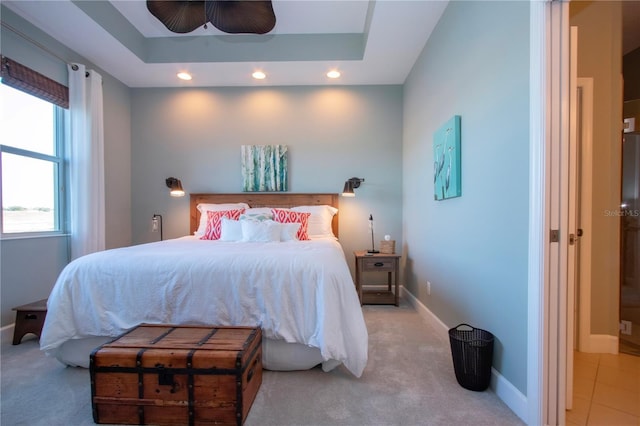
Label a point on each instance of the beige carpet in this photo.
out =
(409, 380)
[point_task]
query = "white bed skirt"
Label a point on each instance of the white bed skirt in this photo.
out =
(277, 355)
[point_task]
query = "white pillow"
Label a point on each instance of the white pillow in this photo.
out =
(256, 216)
(203, 208)
(319, 221)
(230, 230)
(259, 210)
(260, 231)
(289, 231)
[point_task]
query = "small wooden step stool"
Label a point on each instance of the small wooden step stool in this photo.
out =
(29, 319)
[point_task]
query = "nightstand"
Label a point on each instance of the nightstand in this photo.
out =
(366, 265)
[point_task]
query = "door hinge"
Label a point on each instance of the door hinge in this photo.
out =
(554, 236)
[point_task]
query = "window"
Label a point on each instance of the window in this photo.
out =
(32, 164)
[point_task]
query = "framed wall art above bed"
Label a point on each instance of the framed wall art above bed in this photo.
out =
(264, 168)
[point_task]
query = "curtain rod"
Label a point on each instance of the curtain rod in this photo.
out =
(37, 44)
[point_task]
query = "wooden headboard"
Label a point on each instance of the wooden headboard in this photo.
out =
(263, 199)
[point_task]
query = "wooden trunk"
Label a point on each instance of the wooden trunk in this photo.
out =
(169, 374)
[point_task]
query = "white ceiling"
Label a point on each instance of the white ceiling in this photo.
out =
(369, 42)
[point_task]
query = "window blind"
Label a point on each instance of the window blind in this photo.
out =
(23, 78)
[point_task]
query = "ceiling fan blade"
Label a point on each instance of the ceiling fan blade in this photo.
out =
(238, 16)
(179, 16)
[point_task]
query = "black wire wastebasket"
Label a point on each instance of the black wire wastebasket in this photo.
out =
(472, 352)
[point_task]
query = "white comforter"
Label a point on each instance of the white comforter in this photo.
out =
(298, 291)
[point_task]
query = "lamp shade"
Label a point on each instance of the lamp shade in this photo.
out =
(350, 185)
(348, 189)
(175, 187)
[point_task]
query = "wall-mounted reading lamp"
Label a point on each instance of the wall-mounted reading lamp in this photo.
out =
(175, 187)
(350, 185)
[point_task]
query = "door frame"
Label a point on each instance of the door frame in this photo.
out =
(546, 293)
(538, 246)
(586, 148)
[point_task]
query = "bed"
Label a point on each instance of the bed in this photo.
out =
(299, 292)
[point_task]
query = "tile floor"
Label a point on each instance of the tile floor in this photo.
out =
(606, 390)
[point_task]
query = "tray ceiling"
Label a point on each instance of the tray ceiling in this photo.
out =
(369, 42)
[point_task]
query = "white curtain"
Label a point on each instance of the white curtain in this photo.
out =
(86, 162)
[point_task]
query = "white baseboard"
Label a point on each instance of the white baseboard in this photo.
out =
(508, 393)
(6, 334)
(440, 327)
(601, 344)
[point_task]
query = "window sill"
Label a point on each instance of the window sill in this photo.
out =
(9, 237)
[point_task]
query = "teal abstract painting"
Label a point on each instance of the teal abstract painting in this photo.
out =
(264, 168)
(446, 160)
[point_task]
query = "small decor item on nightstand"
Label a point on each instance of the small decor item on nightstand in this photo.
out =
(373, 247)
(388, 246)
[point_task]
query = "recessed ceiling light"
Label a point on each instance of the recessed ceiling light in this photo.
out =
(333, 74)
(259, 75)
(184, 76)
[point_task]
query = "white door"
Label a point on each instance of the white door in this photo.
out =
(573, 214)
(582, 326)
(554, 361)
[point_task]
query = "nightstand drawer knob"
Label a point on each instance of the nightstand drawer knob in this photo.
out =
(378, 264)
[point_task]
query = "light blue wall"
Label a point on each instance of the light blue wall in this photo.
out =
(29, 268)
(20, 282)
(473, 249)
(332, 133)
(117, 162)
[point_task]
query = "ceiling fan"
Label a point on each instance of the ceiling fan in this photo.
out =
(230, 16)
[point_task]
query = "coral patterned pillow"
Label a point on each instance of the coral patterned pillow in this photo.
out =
(214, 222)
(289, 216)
